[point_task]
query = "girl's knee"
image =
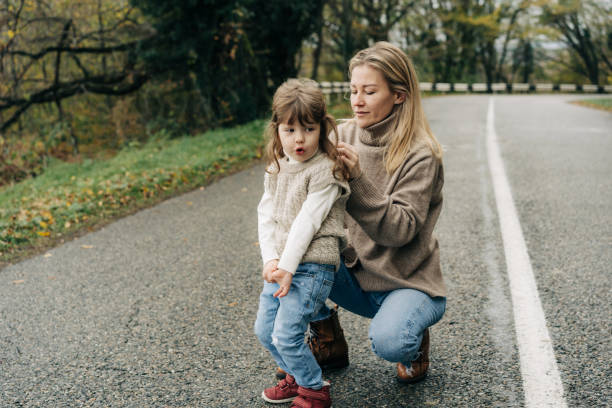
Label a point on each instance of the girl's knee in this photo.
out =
(285, 342)
(263, 332)
(394, 344)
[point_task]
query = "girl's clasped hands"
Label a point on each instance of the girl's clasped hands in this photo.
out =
(272, 273)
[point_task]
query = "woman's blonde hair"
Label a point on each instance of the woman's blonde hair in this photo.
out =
(301, 100)
(401, 77)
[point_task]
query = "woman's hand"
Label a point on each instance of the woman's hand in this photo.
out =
(350, 157)
(283, 278)
(269, 268)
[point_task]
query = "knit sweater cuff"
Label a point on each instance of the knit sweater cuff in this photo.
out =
(364, 193)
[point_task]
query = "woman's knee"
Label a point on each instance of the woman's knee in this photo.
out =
(393, 343)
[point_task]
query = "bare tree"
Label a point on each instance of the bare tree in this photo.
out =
(54, 53)
(585, 27)
(382, 15)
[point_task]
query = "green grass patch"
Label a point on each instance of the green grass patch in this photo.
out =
(341, 110)
(71, 197)
(602, 104)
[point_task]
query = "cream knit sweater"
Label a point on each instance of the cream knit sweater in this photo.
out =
(289, 188)
(391, 219)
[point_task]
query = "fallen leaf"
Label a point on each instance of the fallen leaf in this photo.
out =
(43, 233)
(86, 246)
(48, 255)
(189, 203)
(233, 304)
(18, 282)
(244, 189)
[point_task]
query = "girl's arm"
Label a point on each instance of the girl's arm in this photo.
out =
(265, 221)
(314, 210)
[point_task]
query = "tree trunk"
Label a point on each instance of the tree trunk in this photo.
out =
(316, 56)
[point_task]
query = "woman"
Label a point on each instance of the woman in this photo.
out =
(391, 266)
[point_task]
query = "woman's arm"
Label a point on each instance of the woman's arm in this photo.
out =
(394, 220)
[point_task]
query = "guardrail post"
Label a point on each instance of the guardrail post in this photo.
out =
(590, 88)
(425, 86)
(544, 87)
(520, 87)
(480, 87)
(341, 88)
(442, 86)
(567, 87)
(498, 87)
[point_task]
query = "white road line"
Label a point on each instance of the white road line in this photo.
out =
(541, 380)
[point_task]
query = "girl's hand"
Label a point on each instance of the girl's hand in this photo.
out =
(269, 268)
(350, 157)
(283, 278)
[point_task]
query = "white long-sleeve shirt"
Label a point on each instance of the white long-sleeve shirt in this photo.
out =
(313, 212)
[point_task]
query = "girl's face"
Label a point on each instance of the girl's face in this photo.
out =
(371, 98)
(300, 142)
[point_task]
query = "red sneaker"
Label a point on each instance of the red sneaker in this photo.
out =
(309, 398)
(285, 391)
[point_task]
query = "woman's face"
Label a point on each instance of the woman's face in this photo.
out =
(371, 98)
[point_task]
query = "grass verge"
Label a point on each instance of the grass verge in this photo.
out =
(70, 199)
(601, 104)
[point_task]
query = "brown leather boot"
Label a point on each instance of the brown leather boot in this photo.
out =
(327, 342)
(280, 373)
(418, 369)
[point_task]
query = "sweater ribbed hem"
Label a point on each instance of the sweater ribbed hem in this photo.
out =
(370, 283)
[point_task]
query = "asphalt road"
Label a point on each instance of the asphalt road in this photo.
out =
(157, 309)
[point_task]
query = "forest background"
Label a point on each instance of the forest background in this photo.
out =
(125, 81)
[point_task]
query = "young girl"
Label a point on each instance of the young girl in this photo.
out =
(301, 218)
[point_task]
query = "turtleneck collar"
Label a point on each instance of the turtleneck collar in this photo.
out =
(375, 135)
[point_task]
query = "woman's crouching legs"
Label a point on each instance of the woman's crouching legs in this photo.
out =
(397, 329)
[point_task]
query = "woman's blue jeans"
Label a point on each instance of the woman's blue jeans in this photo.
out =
(399, 317)
(282, 322)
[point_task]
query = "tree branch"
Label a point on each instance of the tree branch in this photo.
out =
(106, 85)
(75, 50)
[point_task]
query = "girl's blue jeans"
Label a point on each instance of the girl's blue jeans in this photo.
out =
(399, 317)
(282, 322)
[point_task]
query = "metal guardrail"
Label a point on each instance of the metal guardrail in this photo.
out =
(342, 87)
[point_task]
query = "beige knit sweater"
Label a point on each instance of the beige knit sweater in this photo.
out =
(391, 218)
(290, 187)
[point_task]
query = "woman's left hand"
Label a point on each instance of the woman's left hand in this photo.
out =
(350, 157)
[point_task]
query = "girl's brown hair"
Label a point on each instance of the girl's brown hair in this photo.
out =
(301, 100)
(401, 76)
